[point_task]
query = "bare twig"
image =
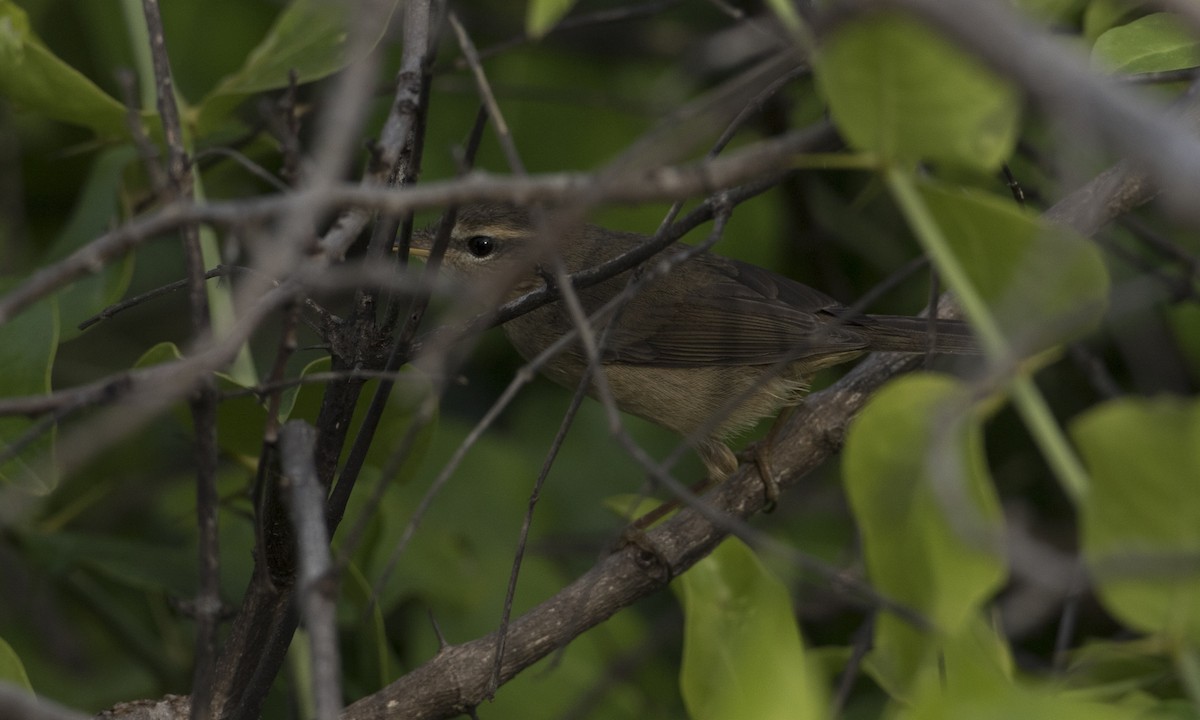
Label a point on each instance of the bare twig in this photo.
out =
(535, 495)
(863, 638)
(116, 308)
(203, 403)
(246, 163)
(317, 577)
(97, 393)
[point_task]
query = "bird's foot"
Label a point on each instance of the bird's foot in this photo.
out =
(757, 454)
(723, 462)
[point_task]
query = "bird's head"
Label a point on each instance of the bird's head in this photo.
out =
(488, 241)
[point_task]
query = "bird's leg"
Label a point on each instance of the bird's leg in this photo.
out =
(722, 463)
(759, 453)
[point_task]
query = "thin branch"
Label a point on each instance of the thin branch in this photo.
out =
(397, 158)
(11, 449)
(178, 166)
(96, 393)
(246, 163)
(755, 106)
(863, 639)
(317, 577)
(203, 404)
(535, 495)
(403, 116)
(489, 98)
(116, 308)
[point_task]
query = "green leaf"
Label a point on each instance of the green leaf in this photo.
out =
(241, 418)
(1141, 522)
(159, 354)
(742, 652)
(1044, 284)
(974, 679)
(12, 670)
(973, 666)
(95, 211)
(36, 80)
(377, 656)
(895, 88)
(312, 404)
(542, 15)
(1101, 15)
(915, 469)
(1107, 670)
(27, 346)
(1149, 44)
(143, 565)
(309, 38)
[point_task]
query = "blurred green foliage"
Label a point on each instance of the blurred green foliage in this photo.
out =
(98, 565)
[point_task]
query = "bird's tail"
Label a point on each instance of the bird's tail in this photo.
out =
(898, 333)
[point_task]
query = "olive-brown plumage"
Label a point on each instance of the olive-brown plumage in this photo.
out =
(689, 343)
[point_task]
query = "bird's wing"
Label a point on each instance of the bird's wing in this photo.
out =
(735, 314)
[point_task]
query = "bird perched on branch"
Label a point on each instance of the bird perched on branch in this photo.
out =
(706, 350)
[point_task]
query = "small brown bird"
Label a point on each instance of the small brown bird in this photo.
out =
(689, 342)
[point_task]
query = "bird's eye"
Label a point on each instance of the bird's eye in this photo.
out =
(481, 246)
